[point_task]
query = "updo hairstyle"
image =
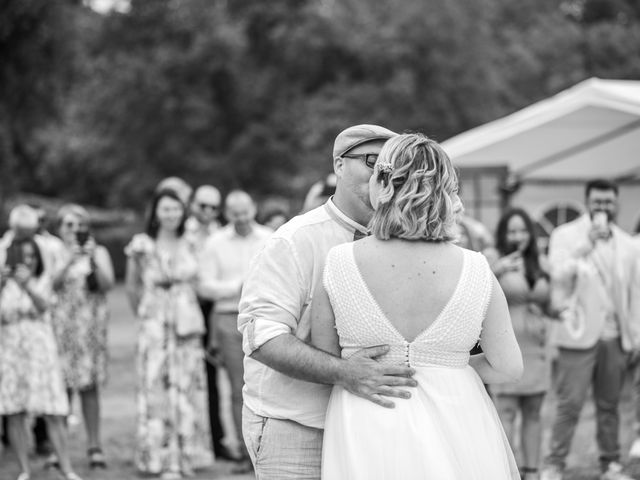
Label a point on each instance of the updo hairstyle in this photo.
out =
(419, 198)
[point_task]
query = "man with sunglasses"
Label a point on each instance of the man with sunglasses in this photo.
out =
(288, 381)
(199, 227)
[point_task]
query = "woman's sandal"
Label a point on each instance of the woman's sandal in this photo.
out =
(96, 458)
(52, 461)
(71, 476)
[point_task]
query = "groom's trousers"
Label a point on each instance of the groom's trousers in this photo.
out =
(282, 449)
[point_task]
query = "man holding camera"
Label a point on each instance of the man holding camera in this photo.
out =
(595, 274)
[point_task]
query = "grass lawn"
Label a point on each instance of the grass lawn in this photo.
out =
(118, 414)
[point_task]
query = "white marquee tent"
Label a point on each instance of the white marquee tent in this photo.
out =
(589, 130)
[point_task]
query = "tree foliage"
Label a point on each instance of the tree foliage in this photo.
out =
(97, 108)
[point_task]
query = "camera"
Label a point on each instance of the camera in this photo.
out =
(82, 237)
(14, 256)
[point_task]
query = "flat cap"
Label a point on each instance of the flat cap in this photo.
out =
(357, 135)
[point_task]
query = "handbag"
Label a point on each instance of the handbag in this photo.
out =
(189, 319)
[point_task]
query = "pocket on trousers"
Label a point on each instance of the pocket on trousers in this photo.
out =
(260, 443)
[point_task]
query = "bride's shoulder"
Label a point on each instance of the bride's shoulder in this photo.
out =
(338, 252)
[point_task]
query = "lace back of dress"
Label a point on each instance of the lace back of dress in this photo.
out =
(446, 342)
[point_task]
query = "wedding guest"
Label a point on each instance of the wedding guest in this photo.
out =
(225, 263)
(80, 318)
(319, 193)
(634, 451)
(23, 224)
(199, 227)
(162, 270)
(521, 274)
(472, 234)
(595, 277)
(31, 381)
(274, 218)
(178, 185)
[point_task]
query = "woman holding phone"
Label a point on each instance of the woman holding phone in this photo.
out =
(521, 274)
(80, 318)
(30, 375)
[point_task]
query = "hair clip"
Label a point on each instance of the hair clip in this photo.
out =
(385, 167)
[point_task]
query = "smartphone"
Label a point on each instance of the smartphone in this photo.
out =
(600, 219)
(14, 256)
(512, 247)
(81, 237)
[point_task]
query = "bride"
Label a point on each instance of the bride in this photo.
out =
(409, 287)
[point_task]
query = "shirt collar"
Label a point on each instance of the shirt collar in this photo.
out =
(335, 213)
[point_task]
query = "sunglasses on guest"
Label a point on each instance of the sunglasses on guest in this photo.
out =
(211, 206)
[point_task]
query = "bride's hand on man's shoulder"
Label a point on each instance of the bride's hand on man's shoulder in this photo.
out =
(374, 381)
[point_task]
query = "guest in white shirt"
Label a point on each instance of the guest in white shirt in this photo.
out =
(205, 210)
(284, 411)
(225, 262)
(199, 228)
(595, 279)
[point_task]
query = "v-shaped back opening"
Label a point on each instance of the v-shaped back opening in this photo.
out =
(424, 331)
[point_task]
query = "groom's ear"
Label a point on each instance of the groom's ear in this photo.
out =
(338, 166)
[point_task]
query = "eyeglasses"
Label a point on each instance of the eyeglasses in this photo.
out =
(369, 158)
(212, 206)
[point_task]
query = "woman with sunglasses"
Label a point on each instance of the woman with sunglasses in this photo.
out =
(31, 381)
(80, 319)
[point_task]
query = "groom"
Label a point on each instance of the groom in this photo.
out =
(287, 381)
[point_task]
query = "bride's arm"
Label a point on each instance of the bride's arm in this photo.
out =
(323, 323)
(501, 361)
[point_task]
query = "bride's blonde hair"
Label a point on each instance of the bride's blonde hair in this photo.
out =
(419, 196)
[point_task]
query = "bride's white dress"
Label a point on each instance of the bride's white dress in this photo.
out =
(449, 429)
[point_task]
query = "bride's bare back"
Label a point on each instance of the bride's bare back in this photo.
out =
(412, 281)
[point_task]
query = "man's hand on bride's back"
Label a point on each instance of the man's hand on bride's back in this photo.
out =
(374, 381)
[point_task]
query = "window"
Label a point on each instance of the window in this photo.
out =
(553, 216)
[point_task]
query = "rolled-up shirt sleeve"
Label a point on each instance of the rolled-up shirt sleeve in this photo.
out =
(272, 296)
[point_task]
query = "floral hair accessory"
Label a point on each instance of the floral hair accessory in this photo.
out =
(385, 167)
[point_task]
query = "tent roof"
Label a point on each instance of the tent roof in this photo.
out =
(589, 130)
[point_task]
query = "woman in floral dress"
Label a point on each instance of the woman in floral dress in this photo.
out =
(80, 318)
(172, 439)
(30, 374)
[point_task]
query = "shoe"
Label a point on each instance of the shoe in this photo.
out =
(634, 451)
(71, 476)
(244, 466)
(551, 472)
(96, 458)
(24, 476)
(614, 472)
(51, 461)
